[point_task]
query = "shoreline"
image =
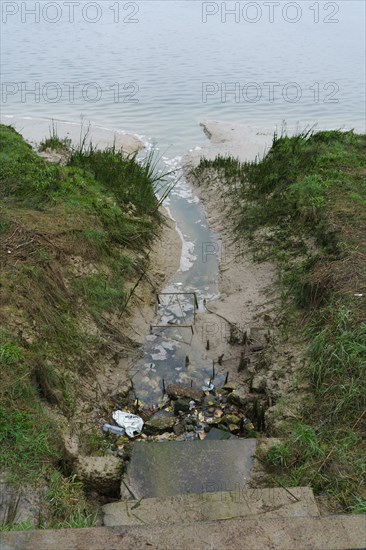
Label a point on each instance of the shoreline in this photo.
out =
(35, 130)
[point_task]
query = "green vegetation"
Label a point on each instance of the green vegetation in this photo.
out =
(66, 499)
(304, 206)
(55, 143)
(74, 241)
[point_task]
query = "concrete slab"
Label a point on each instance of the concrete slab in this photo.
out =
(264, 533)
(297, 501)
(160, 469)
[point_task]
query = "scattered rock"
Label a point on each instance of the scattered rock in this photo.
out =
(179, 428)
(213, 421)
(238, 397)
(209, 401)
(233, 428)
(181, 405)
(230, 419)
(159, 425)
(179, 390)
(191, 421)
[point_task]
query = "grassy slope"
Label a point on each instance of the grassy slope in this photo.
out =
(304, 206)
(72, 237)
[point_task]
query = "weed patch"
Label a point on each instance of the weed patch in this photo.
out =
(303, 206)
(73, 238)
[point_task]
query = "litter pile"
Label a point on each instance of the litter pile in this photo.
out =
(188, 413)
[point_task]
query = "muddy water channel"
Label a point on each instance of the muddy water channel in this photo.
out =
(175, 350)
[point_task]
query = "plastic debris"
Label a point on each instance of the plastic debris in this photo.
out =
(108, 428)
(192, 405)
(208, 386)
(132, 423)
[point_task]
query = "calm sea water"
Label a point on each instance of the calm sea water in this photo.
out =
(159, 67)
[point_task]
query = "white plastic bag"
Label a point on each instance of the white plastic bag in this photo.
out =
(132, 423)
(208, 386)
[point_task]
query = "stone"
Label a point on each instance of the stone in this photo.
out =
(179, 428)
(166, 468)
(179, 390)
(181, 405)
(238, 397)
(231, 419)
(209, 401)
(100, 473)
(159, 425)
(234, 428)
(214, 420)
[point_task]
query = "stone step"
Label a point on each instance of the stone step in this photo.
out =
(258, 533)
(297, 501)
(167, 468)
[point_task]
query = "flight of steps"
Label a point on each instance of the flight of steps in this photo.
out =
(183, 495)
(191, 481)
(180, 494)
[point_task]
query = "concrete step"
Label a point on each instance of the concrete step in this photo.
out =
(167, 468)
(297, 501)
(258, 533)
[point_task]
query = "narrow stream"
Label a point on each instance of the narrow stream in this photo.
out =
(174, 352)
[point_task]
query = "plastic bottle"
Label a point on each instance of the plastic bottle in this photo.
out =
(113, 429)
